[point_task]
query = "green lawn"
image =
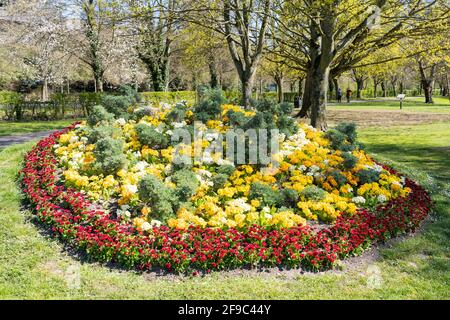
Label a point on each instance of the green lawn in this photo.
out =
(13, 128)
(411, 104)
(37, 267)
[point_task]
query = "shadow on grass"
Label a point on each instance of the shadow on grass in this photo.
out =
(427, 255)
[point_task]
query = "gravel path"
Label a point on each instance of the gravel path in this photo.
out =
(21, 138)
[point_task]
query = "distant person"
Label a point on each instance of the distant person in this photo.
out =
(349, 94)
(339, 95)
(297, 102)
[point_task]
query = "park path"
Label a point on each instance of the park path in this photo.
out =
(21, 138)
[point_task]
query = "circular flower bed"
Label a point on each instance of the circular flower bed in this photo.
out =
(112, 188)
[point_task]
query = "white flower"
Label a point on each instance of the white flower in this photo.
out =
(74, 139)
(169, 132)
(210, 136)
(267, 216)
(84, 139)
(141, 165)
(381, 198)
(130, 188)
(314, 168)
(240, 203)
(359, 199)
(302, 167)
(156, 223)
(121, 121)
(266, 209)
(146, 226)
(178, 125)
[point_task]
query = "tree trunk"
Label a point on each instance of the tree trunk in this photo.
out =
(319, 98)
(300, 87)
(44, 96)
(279, 82)
(428, 90)
(383, 88)
(247, 88)
(336, 88)
(401, 87)
(306, 98)
(213, 82)
(359, 87)
(375, 88)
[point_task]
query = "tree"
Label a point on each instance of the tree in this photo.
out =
(337, 34)
(155, 23)
(243, 23)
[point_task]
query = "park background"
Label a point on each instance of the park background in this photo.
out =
(60, 58)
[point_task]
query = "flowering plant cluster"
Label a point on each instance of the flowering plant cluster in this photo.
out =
(104, 235)
(128, 166)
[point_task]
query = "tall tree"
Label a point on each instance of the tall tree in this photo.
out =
(337, 34)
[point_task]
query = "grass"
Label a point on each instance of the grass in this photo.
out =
(13, 128)
(411, 104)
(34, 266)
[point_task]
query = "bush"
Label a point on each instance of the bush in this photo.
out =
(187, 184)
(313, 193)
(265, 193)
(177, 114)
(155, 193)
(343, 137)
(227, 169)
(368, 176)
(210, 106)
(168, 97)
(148, 135)
(287, 125)
(237, 119)
(350, 160)
(100, 132)
(109, 155)
(349, 129)
(117, 105)
(290, 197)
(219, 180)
(338, 177)
(99, 115)
(88, 100)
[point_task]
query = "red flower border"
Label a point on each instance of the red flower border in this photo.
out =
(70, 215)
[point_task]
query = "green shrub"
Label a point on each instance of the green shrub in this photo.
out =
(265, 193)
(177, 114)
(109, 156)
(210, 106)
(313, 193)
(99, 115)
(117, 105)
(290, 197)
(148, 135)
(349, 129)
(286, 108)
(343, 137)
(186, 184)
(350, 160)
(219, 180)
(97, 133)
(227, 169)
(168, 97)
(287, 125)
(337, 138)
(88, 100)
(368, 176)
(338, 177)
(237, 119)
(156, 194)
